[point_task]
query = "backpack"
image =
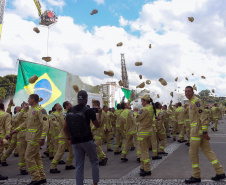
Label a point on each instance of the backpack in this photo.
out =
(76, 123)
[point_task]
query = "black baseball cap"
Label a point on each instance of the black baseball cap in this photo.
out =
(82, 97)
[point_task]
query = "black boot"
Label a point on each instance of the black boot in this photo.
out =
(138, 159)
(4, 164)
(3, 178)
(34, 183)
(69, 167)
(23, 172)
(156, 157)
(54, 171)
(117, 153)
(47, 154)
(61, 162)
(132, 148)
(42, 181)
(162, 153)
(16, 155)
(168, 137)
(192, 180)
(124, 159)
(218, 177)
(174, 139)
(109, 150)
(144, 173)
(212, 129)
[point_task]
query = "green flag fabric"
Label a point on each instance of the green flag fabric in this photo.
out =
(50, 85)
(120, 93)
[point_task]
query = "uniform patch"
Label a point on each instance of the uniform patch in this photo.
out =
(200, 111)
(33, 112)
(51, 115)
(197, 104)
(45, 118)
(53, 119)
(140, 112)
(64, 114)
(43, 111)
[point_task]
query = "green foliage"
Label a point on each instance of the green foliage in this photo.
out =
(7, 86)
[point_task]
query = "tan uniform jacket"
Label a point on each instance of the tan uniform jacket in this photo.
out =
(180, 115)
(173, 112)
(36, 124)
(145, 119)
(160, 122)
(5, 123)
(131, 127)
(215, 113)
(62, 134)
(198, 118)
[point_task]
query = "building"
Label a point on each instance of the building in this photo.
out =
(108, 90)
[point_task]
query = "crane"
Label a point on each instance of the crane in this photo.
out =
(48, 17)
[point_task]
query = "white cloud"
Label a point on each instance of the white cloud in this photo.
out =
(99, 1)
(123, 22)
(181, 49)
(58, 3)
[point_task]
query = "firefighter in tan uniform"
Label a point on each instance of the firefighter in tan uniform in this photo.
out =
(200, 139)
(37, 128)
(119, 131)
(5, 126)
(113, 121)
(55, 128)
(180, 117)
(62, 144)
(107, 127)
(13, 141)
(173, 119)
(131, 133)
(161, 131)
(98, 135)
(215, 115)
(187, 124)
(145, 130)
(166, 120)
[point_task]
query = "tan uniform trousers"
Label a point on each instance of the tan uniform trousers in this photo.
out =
(100, 153)
(187, 124)
(215, 123)
(55, 145)
(129, 143)
(204, 144)
(175, 129)
(107, 137)
(12, 146)
(2, 148)
(143, 142)
(162, 137)
(51, 146)
(118, 139)
(34, 161)
(153, 144)
(62, 144)
(166, 124)
(181, 131)
(48, 142)
(22, 146)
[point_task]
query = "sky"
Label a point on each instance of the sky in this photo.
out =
(85, 44)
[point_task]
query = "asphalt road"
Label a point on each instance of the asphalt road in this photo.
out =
(171, 169)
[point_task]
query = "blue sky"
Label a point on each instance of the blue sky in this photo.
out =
(179, 47)
(108, 14)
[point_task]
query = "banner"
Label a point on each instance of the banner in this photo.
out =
(2, 9)
(120, 93)
(53, 85)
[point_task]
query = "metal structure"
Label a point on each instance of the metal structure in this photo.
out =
(124, 72)
(48, 17)
(2, 8)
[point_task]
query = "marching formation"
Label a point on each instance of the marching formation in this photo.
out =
(144, 129)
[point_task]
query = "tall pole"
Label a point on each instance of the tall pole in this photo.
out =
(2, 8)
(124, 72)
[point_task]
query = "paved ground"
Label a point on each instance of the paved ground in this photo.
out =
(172, 169)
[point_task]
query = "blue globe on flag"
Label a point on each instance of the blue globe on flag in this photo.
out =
(44, 89)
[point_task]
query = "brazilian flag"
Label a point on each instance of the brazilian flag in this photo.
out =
(50, 85)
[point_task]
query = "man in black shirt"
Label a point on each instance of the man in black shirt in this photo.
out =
(83, 145)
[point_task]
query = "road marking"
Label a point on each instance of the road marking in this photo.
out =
(135, 172)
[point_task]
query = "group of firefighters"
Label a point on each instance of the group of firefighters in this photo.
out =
(130, 128)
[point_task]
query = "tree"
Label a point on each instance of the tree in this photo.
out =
(2, 93)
